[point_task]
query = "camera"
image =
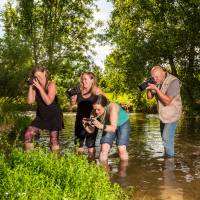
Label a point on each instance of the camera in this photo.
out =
(144, 85)
(30, 80)
(90, 120)
(73, 91)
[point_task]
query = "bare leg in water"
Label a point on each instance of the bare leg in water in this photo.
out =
(54, 139)
(31, 131)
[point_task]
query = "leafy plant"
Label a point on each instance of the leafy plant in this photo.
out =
(43, 175)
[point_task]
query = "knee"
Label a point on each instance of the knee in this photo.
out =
(123, 154)
(104, 152)
(28, 136)
(103, 156)
(91, 150)
(54, 138)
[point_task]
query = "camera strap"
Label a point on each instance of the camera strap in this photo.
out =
(102, 119)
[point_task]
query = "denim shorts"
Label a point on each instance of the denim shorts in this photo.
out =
(121, 135)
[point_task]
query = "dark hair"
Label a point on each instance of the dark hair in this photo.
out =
(39, 68)
(100, 99)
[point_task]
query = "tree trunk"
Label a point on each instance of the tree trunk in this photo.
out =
(173, 67)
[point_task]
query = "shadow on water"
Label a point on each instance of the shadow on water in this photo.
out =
(152, 176)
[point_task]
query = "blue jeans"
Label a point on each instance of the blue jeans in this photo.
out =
(167, 133)
(121, 135)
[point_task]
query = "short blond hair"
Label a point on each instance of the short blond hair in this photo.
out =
(157, 67)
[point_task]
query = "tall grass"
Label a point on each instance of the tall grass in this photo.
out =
(43, 176)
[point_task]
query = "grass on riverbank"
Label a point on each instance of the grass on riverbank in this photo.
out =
(43, 175)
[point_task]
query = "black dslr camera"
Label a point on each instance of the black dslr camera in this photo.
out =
(144, 85)
(89, 121)
(30, 80)
(73, 91)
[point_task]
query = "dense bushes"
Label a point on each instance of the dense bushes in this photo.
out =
(10, 118)
(42, 175)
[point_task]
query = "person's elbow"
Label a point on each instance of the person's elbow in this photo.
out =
(49, 102)
(149, 97)
(30, 101)
(72, 103)
(168, 101)
(113, 128)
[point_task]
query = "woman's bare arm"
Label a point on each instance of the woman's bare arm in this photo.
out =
(31, 95)
(49, 96)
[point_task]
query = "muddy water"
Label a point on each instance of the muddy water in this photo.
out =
(151, 175)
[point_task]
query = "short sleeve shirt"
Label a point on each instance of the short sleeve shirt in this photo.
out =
(174, 88)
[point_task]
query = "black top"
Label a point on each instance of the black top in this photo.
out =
(48, 117)
(84, 107)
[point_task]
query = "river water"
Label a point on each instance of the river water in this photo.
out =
(152, 176)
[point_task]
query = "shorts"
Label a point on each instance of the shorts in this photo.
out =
(121, 135)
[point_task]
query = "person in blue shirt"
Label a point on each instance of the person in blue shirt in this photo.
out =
(114, 123)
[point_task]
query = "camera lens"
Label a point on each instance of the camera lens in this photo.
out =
(144, 85)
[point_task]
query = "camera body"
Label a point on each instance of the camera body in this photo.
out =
(30, 80)
(73, 91)
(89, 121)
(144, 85)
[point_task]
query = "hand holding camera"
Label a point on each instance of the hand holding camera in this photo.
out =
(97, 123)
(33, 81)
(88, 121)
(146, 83)
(152, 87)
(30, 80)
(88, 124)
(73, 91)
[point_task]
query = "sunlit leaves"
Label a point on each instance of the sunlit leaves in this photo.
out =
(149, 32)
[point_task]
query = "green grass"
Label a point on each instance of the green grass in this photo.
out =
(43, 175)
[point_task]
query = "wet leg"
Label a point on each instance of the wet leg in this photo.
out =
(28, 137)
(105, 148)
(123, 154)
(54, 139)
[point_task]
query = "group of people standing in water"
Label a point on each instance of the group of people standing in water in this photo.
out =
(97, 115)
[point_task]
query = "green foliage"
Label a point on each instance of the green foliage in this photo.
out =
(10, 119)
(120, 98)
(136, 102)
(12, 104)
(145, 33)
(42, 175)
(57, 34)
(15, 65)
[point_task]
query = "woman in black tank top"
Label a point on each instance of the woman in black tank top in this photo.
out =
(48, 115)
(84, 101)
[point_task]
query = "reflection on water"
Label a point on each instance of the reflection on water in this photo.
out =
(170, 189)
(155, 177)
(152, 176)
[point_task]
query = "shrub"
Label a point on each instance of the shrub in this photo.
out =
(43, 175)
